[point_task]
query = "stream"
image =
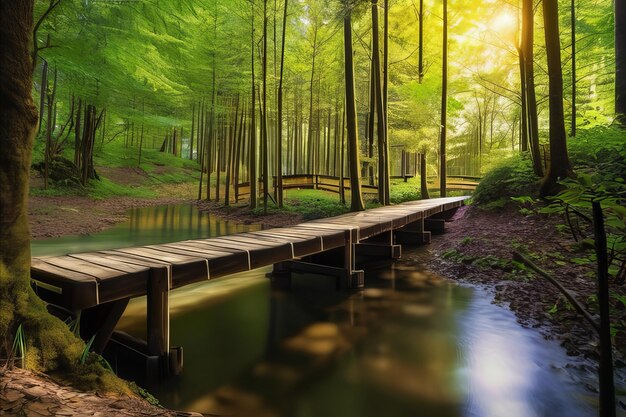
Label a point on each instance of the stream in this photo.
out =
(410, 344)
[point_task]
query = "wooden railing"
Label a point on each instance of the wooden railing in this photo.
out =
(333, 184)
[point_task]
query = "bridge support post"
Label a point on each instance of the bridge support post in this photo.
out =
(352, 278)
(158, 321)
(280, 276)
(346, 274)
(380, 245)
(413, 234)
(435, 226)
(445, 215)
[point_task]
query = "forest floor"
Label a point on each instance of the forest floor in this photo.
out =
(26, 393)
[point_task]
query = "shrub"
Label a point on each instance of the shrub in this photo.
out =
(513, 177)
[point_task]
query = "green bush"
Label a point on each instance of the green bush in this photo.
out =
(598, 152)
(513, 177)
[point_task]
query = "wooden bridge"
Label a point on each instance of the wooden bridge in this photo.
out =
(97, 286)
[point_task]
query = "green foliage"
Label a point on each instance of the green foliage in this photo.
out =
(144, 394)
(18, 350)
(405, 191)
(512, 178)
(601, 164)
(310, 204)
(513, 270)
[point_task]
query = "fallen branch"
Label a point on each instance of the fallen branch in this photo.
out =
(567, 293)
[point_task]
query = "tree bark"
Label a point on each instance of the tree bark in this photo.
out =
(252, 151)
(381, 131)
(423, 179)
(264, 139)
(607, 386)
(385, 97)
(620, 61)
(559, 166)
(421, 43)
(573, 27)
(193, 121)
(528, 37)
(444, 104)
(279, 141)
(356, 201)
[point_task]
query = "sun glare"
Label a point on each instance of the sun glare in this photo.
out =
(504, 22)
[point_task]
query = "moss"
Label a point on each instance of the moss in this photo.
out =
(50, 345)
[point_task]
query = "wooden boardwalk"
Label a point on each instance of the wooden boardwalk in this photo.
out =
(100, 284)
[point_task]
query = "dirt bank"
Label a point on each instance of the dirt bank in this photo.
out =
(65, 215)
(477, 247)
(25, 393)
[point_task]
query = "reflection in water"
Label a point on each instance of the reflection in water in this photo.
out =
(410, 344)
(145, 226)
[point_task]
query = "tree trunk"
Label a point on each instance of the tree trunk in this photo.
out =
(342, 159)
(264, 140)
(383, 165)
(356, 201)
(42, 93)
(193, 121)
(310, 127)
(370, 121)
(420, 65)
(524, 109)
(607, 385)
(55, 346)
(620, 61)
(559, 166)
(528, 37)
(573, 27)
(252, 151)
(279, 140)
(444, 104)
(423, 179)
(140, 146)
(385, 98)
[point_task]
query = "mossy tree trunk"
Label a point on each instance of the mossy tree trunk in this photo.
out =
(49, 343)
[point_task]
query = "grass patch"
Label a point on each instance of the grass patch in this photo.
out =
(310, 204)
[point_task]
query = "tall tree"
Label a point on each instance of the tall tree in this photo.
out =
(46, 335)
(620, 61)
(264, 139)
(381, 129)
(279, 142)
(420, 64)
(528, 40)
(573, 41)
(252, 151)
(356, 201)
(559, 166)
(444, 104)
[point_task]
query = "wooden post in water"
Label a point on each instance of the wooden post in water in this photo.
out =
(158, 315)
